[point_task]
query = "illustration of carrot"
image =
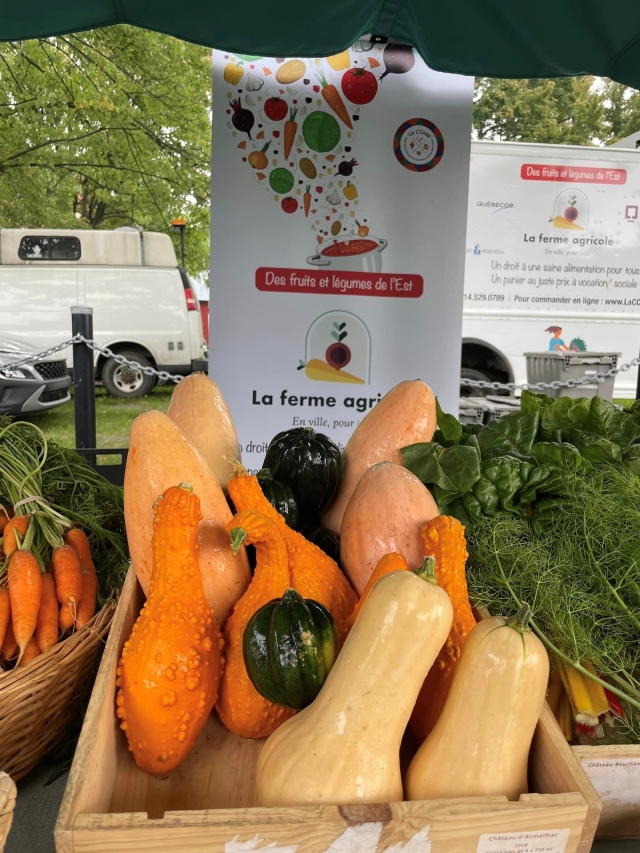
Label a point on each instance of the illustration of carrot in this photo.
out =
(290, 129)
(306, 199)
(333, 99)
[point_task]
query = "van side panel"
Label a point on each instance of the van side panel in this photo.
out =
(36, 303)
(140, 304)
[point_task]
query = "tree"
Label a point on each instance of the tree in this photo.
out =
(106, 128)
(569, 111)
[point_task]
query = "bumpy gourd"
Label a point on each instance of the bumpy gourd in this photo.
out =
(345, 747)
(170, 667)
(240, 707)
(313, 573)
(480, 745)
(444, 540)
(387, 564)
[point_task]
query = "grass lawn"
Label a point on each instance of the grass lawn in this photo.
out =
(113, 418)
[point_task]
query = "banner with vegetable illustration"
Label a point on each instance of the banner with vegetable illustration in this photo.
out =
(339, 197)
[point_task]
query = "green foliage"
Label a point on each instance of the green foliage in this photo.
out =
(581, 577)
(519, 464)
(107, 128)
(568, 111)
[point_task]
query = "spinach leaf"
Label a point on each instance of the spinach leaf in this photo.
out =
(508, 475)
(449, 429)
(606, 421)
(563, 414)
(631, 458)
(595, 448)
(450, 471)
(531, 404)
(512, 434)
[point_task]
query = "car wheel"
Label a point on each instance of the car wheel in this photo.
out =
(126, 382)
(476, 376)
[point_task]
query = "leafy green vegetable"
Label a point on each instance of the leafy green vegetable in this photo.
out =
(321, 132)
(510, 466)
(578, 567)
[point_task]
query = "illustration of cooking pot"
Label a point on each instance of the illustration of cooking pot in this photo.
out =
(352, 254)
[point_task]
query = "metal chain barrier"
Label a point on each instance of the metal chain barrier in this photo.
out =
(587, 379)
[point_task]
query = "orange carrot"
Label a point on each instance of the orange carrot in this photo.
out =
(31, 651)
(19, 524)
(77, 539)
(25, 591)
(9, 646)
(65, 618)
(47, 625)
(290, 129)
(68, 574)
(306, 199)
(5, 612)
(4, 518)
(333, 99)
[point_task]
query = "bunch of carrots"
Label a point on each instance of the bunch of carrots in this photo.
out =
(48, 581)
(37, 607)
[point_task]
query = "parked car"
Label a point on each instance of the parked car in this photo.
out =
(39, 385)
(144, 305)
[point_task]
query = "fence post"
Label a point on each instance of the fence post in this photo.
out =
(84, 398)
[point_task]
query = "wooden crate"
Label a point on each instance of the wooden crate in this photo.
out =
(615, 774)
(207, 804)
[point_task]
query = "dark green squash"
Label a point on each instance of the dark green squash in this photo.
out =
(309, 463)
(280, 496)
(325, 539)
(289, 646)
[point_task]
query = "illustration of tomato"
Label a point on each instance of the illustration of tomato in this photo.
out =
(289, 204)
(338, 355)
(571, 214)
(359, 85)
(276, 109)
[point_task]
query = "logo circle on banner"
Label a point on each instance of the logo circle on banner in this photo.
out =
(418, 145)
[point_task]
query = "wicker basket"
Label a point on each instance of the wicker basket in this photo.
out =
(39, 701)
(7, 802)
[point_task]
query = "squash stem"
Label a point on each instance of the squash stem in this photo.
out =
(427, 570)
(520, 622)
(238, 538)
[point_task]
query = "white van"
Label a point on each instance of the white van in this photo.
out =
(144, 305)
(552, 257)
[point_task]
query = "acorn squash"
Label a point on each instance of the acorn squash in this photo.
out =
(309, 463)
(290, 645)
(280, 496)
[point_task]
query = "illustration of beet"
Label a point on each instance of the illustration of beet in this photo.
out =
(398, 59)
(338, 355)
(571, 213)
(346, 167)
(242, 119)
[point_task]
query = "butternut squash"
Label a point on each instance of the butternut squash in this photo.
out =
(198, 408)
(345, 746)
(168, 675)
(406, 415)
(480, 745)
(385, 514)
(160, 456)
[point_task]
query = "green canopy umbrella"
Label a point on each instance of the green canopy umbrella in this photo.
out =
(498, 38)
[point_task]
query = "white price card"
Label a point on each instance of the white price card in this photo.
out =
(541, 841)
(617, 780)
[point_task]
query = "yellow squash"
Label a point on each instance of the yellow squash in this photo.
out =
(344, 748)
(480, 745)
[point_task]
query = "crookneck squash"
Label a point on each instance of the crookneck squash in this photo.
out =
(280, 496)
(290, 646)
(443, 539)
(345, 747)
(240, 707)
(309, 463)
(480, 745)
(170, 667)
(313, 574)
(387, 564)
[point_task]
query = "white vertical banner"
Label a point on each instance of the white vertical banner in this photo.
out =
(338, 220)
